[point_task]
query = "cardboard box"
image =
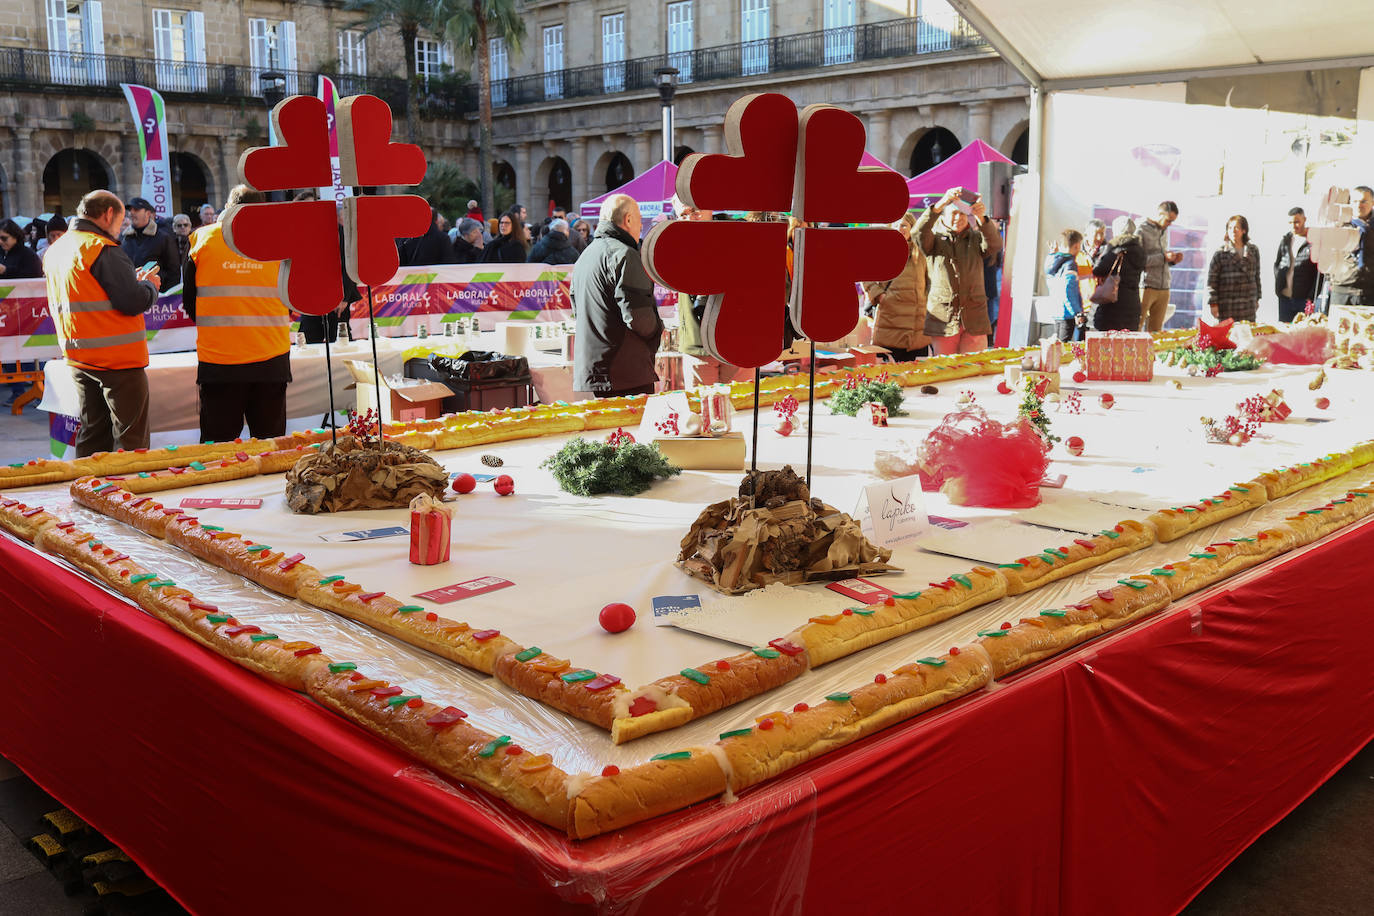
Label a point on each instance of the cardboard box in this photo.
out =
(1120, 356)
(422, 401)
(870, 355)
(720, 453)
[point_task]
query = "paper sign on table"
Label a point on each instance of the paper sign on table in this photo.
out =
(861, 590)
(469, 589)
(195, 502)
(894, 511)
(480, 478)
(366, 534)
(667, 608)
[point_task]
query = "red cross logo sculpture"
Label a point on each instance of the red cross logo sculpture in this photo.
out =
(303, 234)
(779, 161)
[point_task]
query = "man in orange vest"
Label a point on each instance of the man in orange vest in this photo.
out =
(97, 300)
(243, 334)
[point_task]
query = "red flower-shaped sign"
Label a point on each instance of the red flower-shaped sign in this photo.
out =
(777, 162)
(303, 235)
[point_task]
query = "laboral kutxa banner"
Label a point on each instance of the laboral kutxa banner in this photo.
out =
(151, 120)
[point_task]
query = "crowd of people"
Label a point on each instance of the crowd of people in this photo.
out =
(1121, 281)
(508, 239)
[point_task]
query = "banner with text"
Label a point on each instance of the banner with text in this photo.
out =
(330, 96)
(151, 120)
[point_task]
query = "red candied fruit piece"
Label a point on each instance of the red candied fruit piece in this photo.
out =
(880, 679)
(765, 725)
(515, 750)
(848, 612)
(889, 601)
(610, 770)
(356, 676)
(800, 707)
(722, 665)
(954, 651)
(302, 653)
(1119, 530)
(412, 703)
(1006, 625)
(431, 617)
(642, 706)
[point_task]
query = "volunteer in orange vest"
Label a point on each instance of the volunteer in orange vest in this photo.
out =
(243, 334)
(97, 300)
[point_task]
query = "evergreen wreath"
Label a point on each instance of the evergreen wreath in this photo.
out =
(1227, 360)
(588, 468)
(1032, 410)
(857, 392)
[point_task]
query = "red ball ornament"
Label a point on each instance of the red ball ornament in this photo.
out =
(464, 483)
(1080, 376)
(617, 618)
(504, 485)
(1107, 401)
(1003, 388)
(1323, 403)
(1074, 444)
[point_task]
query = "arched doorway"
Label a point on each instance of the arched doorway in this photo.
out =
(618, 171)
(555, 178)
(190, 185)
(680, 153)
(71, 175)
(1019, 150)
(935, 146)
(503, 191)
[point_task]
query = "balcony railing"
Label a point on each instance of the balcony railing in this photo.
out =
(24, 68)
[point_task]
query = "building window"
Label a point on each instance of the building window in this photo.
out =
(839, 31)
(179, 45)
(613, 52)
(754, 30)
(76, 42)
(272, 46)
(553, 62)
(352, 53)
(430, 59)
(680, 39)
(500, 70)
(934, 27)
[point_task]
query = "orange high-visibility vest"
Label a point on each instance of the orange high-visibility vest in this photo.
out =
(93, 334)
(239, 318)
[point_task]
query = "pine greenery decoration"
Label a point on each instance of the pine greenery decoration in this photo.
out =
(858, 392)
(1228, 360)
(588, 468)
(1032, 409)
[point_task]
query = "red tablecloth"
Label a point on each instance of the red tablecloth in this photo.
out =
(1120, 777)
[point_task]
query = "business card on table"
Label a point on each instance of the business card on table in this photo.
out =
(192, 502)
(366, 534)
(861, 590)
(480, 478)
(668, 607)
(469, 589)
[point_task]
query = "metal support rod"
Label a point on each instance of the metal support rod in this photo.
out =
(376, 373)
(329, 379)
(754, 453)
(810, 412)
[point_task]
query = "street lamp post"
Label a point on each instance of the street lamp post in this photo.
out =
(272, 82)
(666, 79)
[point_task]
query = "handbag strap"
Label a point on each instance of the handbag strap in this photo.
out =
(1116, 267)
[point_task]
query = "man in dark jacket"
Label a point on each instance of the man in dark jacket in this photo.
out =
(467, 247)
(618, 327)
(1352, 277)
(555, 247)
(1295, 276)
(431, 248)
(146, 242)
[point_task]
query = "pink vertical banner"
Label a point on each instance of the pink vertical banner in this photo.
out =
(151, 120)
(330, 96)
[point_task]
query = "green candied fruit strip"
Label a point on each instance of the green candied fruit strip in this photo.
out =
(494, 746)
(737, 733)
(217, 618)
(838, 697)
(144, 474)
(1161, 572)
(693, 674)
(262, 637)
(258, 548)
(766, 653)
(962, 580)
(674, 755)
(932, 662)
(1203, 556)
(330, 579)
(1133, 583)
(993, 632)
(1048, 558)
(573, 677)
(909, 596)
(142, 577)
(211, 527)
(340, 667)
(530, 653)
(1053, 613)
(864, 612)
(393, 702)
(409, 609)
(196, 466)
(1239, 489)
(1111, 534)
(160, 583)
(1011, 565)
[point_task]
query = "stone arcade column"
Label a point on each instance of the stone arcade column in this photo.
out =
(712, 139)
(879, 134)
(131, 167)
(522, 179)
(979, 122)
(580, 188)
(27, 180)
(644, 157)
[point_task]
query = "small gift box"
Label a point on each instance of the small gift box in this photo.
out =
(1278, 409)
(875, 413)
(431, 529)
(717, 410)
(1119, 356)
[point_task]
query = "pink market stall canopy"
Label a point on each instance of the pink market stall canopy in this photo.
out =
(438, 295)
(958, 171)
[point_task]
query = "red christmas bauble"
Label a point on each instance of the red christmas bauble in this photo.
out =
(464, 483)
(1080, 376)
(1323, 403)
(1107, 401)
(786, 426)
(504, 485)
(616, 618)
(1003, 388)
(1074, 444)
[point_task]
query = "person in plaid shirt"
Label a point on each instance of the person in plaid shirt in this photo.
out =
(1233, 275)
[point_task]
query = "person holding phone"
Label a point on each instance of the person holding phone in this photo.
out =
(956, 238)
(97, 300)
(146, 241)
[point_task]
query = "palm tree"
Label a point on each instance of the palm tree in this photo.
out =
(407, 17)
(470, 25)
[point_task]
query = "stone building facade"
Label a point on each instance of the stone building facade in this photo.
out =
(575, 114)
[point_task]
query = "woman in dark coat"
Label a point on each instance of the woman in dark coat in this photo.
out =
(17, 260)
(511, 245)
(1124, 313)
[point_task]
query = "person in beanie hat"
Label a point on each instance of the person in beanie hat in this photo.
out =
(52, 231)
(145, 242)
